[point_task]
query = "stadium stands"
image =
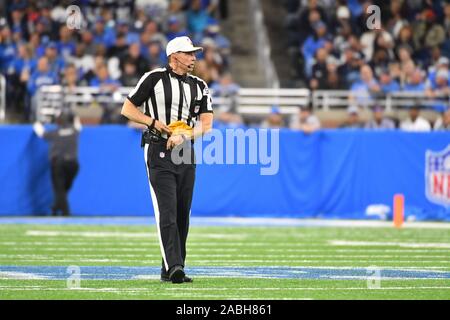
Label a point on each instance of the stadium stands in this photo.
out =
(38, 46)
(334, 58)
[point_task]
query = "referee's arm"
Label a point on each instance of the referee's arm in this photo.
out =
(137, 98)
(130, 111)
(203, 126)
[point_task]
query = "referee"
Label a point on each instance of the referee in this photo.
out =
(172, 98)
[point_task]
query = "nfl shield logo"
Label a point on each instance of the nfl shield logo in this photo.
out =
(437, 176)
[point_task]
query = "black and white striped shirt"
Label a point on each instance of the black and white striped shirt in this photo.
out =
(169, 97)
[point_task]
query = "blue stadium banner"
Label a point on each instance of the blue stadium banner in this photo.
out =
(351, 174)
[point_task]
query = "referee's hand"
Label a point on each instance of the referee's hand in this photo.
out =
(174, 141)
(161, 127)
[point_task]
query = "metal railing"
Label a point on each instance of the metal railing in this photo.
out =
(332, 99)
(2, 98)
(249, 101)
(263, 45)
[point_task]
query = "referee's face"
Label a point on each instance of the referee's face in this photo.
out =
(187, 60)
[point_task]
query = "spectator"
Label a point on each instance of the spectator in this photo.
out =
(120, 47)
(440, 91)
(305, 120)
(274, 120)
(363, 90)
(82, 61)
(103, 80)
(446, 23)
(123, 29)
(87, 38)
(18, 74)
(380, 61)
(333, 81)
(227, 90)
(309, 16)
(175, 10)
(350, 68)
(387, 83)
(441, 64)
(379, 121)
(397, 21)
(406, 71)
(175, 28)
(340, 42)
(56, 63)
(43, 75)
(134, 55)
(103, 35)
(443, 122)
(8, 49)
(197, 18)
(129, 76)
(312, 44)
(405, 38)
(66, 46)
(353, 120)
(374, 39)
(213, 60)
(319, 70)
(70, 80)
(107, 87)
(427, 33)
(152, 33)
(222, 43)
(416, 82)
(18, 22)
(415, 122)
(156, 55)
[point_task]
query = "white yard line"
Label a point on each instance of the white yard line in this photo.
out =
(277, 256)
(389, 244)
(116, 234)
(178, 289)
(20, 276)
(68, 247)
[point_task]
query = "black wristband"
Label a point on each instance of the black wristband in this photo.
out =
(152, 125)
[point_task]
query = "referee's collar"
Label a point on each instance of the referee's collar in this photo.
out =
(176, 75)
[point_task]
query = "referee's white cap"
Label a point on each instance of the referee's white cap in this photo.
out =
(181, 44)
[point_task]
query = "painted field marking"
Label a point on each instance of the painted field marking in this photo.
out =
(20, 276)
(389, 244)
(150, 273)
(117, 234)
(220, 221)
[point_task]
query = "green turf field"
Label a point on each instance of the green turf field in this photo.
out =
(226, 263)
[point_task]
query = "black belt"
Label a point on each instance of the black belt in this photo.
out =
(152, 136)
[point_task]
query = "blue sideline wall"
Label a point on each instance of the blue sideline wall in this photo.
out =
(329, 174)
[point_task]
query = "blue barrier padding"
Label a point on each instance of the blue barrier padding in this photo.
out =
(329, 174)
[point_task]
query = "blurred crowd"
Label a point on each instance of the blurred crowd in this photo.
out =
(115, 44)
(305, 120)
(338, 45)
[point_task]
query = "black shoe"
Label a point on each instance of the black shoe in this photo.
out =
(176, 274)
(165, 278)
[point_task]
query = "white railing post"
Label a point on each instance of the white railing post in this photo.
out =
(2, 98)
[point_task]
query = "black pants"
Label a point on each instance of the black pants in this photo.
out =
(63, 174)
(171, 188)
